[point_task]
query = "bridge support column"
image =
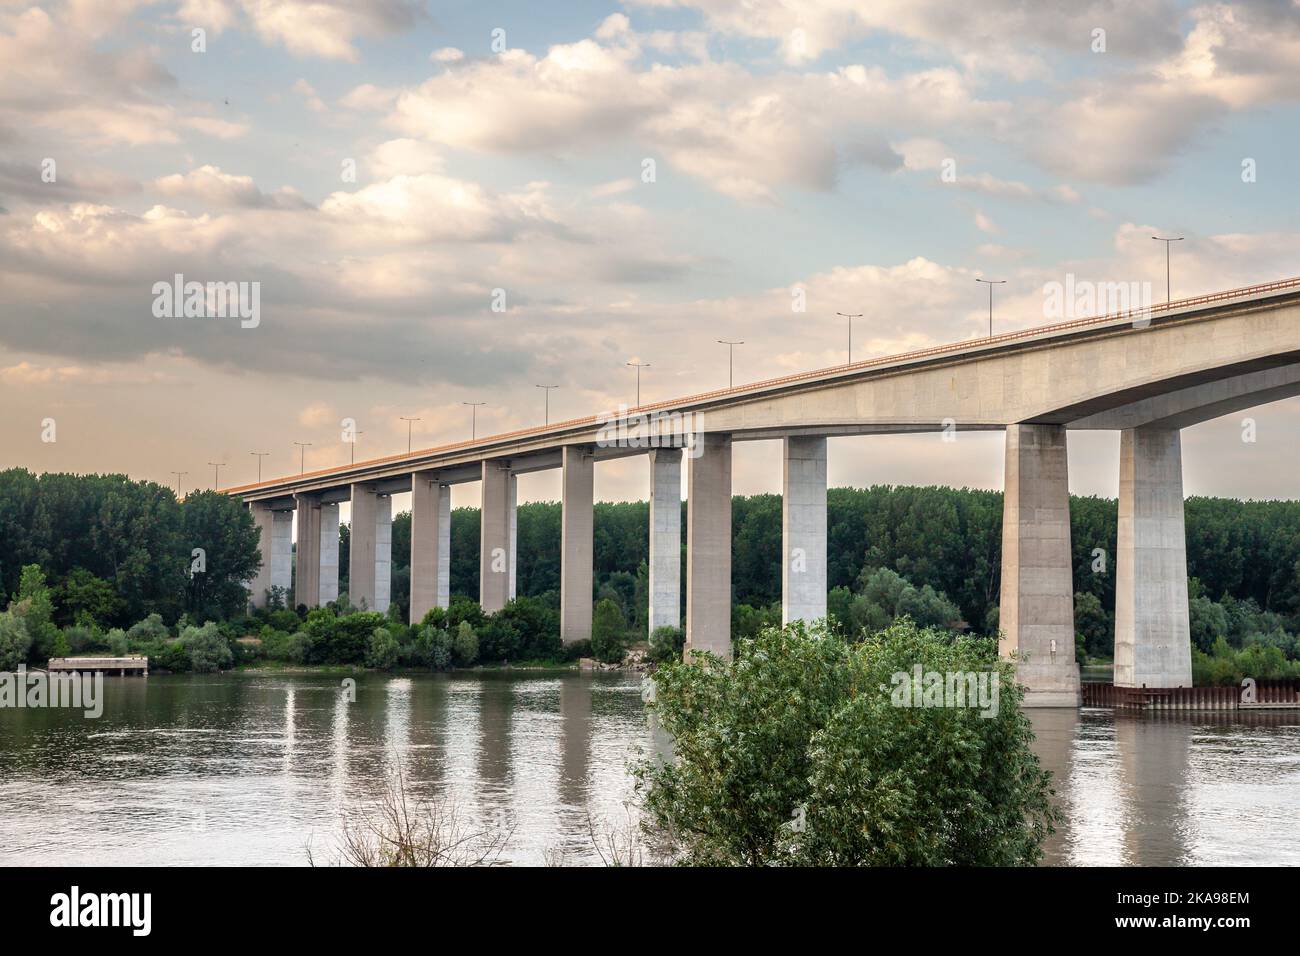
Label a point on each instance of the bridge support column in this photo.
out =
(576, 545)
(708, 546)
(665, 538)
(1153, 645)
(1037, 611)
(803, 530)
(329, 554)
(430, 545)
(383, 553)
(264, 520)
(496, 537)
(361, 548)
(306, 586)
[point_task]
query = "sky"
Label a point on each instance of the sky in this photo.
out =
(450, 202)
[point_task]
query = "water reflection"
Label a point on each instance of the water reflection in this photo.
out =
(1173, 790)
(245, 769)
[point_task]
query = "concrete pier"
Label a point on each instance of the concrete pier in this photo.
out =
(383, 552)
(496, 537)
(1153, 644)
(282, 552)
(803, 530)
(329, 553)
(665, 538)
(361, 547)
(708, 547)
(264, 520)
(576, 545)
(1037, 611)
(306, 585)
(430, 545)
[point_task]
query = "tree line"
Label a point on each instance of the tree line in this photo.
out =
(115, 551)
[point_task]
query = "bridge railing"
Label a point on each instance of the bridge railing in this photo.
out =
(1279, 285)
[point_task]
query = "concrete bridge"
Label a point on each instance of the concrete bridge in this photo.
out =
(1147, 373)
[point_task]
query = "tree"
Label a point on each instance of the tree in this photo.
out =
(608, 632)
(15, 641)
(798, 752)
(224, 531)
(1093, 624)
(207, 648)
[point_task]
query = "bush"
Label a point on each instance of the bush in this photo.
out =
(207, 648)
(800, 753)
(667, 643)
(464, 647)
(15, 641)
(383, 649)
(609, 640)
(149, 630)
(117, 643)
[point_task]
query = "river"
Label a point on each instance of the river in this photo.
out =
(255, 769)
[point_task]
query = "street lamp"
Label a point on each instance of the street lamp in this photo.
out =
(546, 390)
(409, 423)
(260, 455)
(991, 283)
(473, 418)
(1168, 297)
(850, 317)
(731, 365)
(353, 445)
(302, 458)
(638, 366)
(178, 475)
(216, 470)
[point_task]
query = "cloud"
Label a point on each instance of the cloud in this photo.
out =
(215, 188)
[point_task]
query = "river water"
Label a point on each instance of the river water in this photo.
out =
(256, 769)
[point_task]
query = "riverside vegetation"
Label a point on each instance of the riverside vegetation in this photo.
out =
(100, 563)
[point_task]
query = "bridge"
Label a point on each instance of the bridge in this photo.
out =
(1147, 373)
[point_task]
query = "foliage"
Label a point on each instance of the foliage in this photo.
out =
(667, 643)
(1228, 666)
(15, 641)
(206, 648)
(609, 640)
(383, 649)
(794, 753)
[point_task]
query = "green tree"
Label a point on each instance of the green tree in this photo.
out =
(797, 753)
(608, 632)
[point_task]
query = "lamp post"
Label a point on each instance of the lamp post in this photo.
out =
(353, 444)
(731, 365)
(473, 418)
(546, 390)
(216, 470)
(409, 423)
(178, 475)
(638, 366)
(260, 455)
(1167, 242)
(302, 457)
(991, 283)
(850, 317)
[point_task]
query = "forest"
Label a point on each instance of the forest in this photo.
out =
(113, 552)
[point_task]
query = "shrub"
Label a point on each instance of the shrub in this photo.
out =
(667, 643)
(15, 641)
(149, 630)
(383, 649)
(207, 648)
(798, 752)
(464, 647)
(609, 639)
(117, 643)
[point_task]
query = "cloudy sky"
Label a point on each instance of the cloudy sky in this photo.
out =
(638, 180)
